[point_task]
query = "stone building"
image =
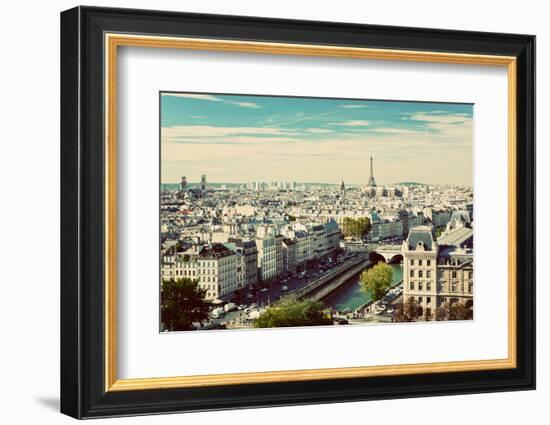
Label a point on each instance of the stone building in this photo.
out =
(214, 267)
(420, 252)
(289, 255)
(455, 276)
(267, 257)
(246, 249)
(434, 273)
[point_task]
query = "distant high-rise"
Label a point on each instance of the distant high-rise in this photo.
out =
(183, 183)
(203, 184)
(342, 189)
(372, 182)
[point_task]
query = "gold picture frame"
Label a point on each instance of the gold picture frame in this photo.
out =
(114, 41)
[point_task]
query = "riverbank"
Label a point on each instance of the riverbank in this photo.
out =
(350, 295)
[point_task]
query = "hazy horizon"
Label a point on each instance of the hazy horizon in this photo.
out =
(239, 139)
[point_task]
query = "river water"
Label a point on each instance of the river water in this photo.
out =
(351, 295)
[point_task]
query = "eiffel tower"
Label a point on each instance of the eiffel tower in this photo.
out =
(371, 183)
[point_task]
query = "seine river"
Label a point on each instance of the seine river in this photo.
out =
(350, 295)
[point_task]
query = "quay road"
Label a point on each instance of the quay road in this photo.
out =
(298, 286)
(359, 262)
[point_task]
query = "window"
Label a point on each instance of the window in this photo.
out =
(411, 286)
(412, 262)
(428, 312)
(428, 262)
(419, 262)
(419, 300)
(453, 287)
(420, 273)
(428, 286)
(453, 274)
(428, 273)
(420, 286)
(428, 300)
(412, 273)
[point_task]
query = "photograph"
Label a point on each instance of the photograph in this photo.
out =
(279, 211)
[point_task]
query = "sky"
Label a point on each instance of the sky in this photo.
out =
(237, 139)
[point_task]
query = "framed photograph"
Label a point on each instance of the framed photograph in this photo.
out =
(261, 212)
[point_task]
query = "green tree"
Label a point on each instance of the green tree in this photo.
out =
(356, 227)
(182, 304)
(377, 280)
(290, 312)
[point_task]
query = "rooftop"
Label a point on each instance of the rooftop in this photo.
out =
(456, 237)
(216, 250)
(420, 236)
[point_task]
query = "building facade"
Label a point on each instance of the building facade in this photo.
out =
(289, 255)
(214, 267)
(267, 257)
(420, 252)
(434, 274)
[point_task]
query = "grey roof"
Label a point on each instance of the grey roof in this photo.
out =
(331, 225)
(216, 250)
(456, 237)
(374, 217)
(420, 234)
(463, 216)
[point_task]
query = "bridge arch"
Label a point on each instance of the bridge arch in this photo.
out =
(376, 257)
(396, 259)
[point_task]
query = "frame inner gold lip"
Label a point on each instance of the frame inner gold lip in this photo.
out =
(113, 41)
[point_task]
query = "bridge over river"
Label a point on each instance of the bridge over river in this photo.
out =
(391, 254)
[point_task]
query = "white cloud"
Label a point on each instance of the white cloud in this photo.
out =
(304, 118)
(352, 123)
(394, 130)
(194, 132)
(353, 106)
(211, 98)
(246, 104)
(457, 128)
(318, 130)
(195, 96)
(440, 119)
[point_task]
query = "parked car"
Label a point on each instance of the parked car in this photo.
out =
(229, 307)
(284, 288)
(341, 321)
(217, 313)
(253, 315)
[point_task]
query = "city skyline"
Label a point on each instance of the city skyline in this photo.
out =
(237, 139)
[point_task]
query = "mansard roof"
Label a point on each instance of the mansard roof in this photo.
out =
(420, 235)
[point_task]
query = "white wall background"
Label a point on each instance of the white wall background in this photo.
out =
(29, 216)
